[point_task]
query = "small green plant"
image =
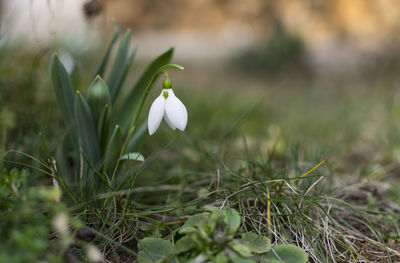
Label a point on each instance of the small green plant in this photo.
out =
(214, 236)
(102, 125)
(34, 226)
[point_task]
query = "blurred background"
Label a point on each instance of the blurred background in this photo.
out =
(335, 36)
(312, 69)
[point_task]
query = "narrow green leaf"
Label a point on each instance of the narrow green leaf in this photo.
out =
(113, 149)
(132, 157)
(131, 104)
(102, 130)
(86, 128)
(137, 138)
(120, 65)
(98, 95)
(63, 89)
(103, 64)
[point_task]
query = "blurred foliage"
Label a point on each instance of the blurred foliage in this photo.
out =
(30, 220)
(283, 50)
(213, 237)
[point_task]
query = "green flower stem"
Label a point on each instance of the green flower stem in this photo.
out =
(136, 117)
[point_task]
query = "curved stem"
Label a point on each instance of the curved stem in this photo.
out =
(136, 117)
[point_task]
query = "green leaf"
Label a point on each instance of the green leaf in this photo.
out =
(121, 65)
(232, 220)
(285, 254)
(132, 157)
(102, 127)
(182, 245)
(131, 104)
(195, 220)
(102, 66)
(153, 250)
(137, 137)
(220, 258)
(235, 258)
(63, 89)
(98, 95)
(258, 244)
(86, 128)
(241, 249)
(211, 209)
(114, 147)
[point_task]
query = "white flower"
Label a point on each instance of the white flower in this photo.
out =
(94, 254)
(167, 105)
(60, 222)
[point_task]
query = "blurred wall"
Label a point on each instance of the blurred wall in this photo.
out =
(32, 24)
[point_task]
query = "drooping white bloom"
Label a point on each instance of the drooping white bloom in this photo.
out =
(167, 105)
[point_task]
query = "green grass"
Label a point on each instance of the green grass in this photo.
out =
(249, 145)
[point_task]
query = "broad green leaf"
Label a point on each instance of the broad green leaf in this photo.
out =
(258, 244)
(132, 157)
(86, 128)
(211, 209)
(131, 104)
(285, 254)
(232, 220)
(187, 230)
(103, 64)
(235, 258)
(63, 89)
(98, 96)
(195, 220)
(198, 219)
(153, 250)
(241, 249)
(182, 245)
(114, 147)
(221, 258)
(121, 63)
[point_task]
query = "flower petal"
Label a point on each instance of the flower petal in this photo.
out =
(176, 111)
(156, 114)
(170, 124)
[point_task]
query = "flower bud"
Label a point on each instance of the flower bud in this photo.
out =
(98, 95)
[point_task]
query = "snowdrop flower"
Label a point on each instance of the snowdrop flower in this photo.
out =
(167, 105)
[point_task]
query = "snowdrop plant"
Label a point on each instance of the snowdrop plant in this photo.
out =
(167, 105)
(103, 128)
